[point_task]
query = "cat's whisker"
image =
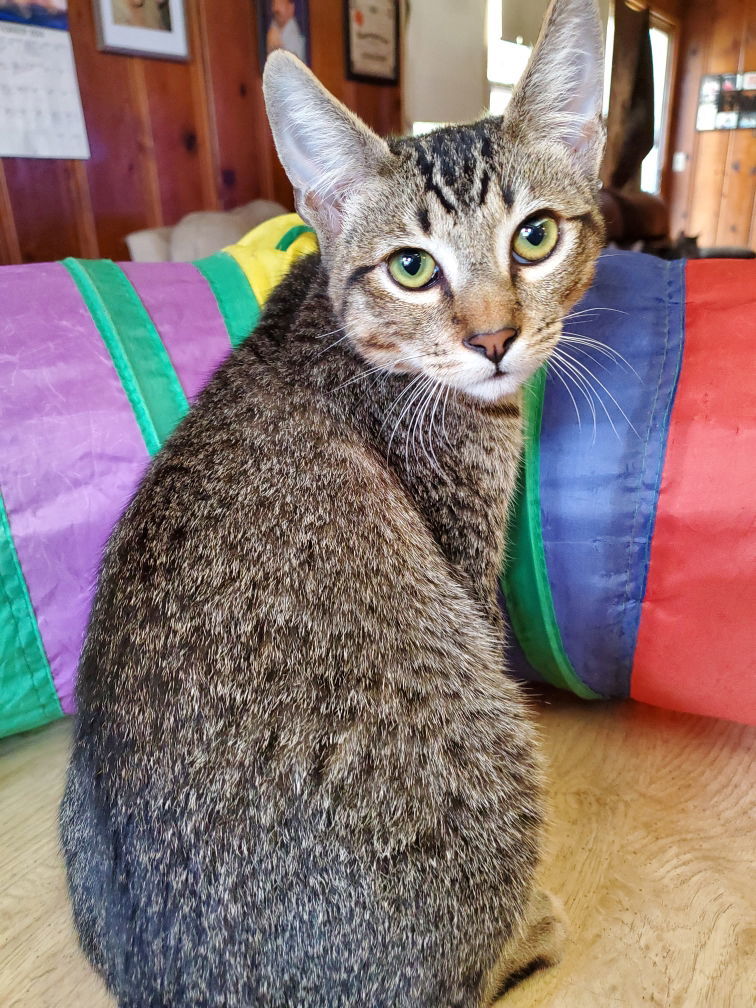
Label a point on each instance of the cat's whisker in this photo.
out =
(453, 397)
(599, 346)
(582, 373)
(430, 453)
(527, 390)
(412, 385)
(380, 367)
(557, 374)
(373, 385)
(585, 353)
(428, 411)
(445, 432)
(591, 311)
(413, 427)
(362, 376)
(402, 394)
(332, 332)
(335, 342)
(415, 431)
(407, 407)
(436, 404)
(414, 422)
(588, 350)
(447, 390)
(587, 371)
(580, 384)
(434, 400)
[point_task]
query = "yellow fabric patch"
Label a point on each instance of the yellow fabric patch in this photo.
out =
(263, 262)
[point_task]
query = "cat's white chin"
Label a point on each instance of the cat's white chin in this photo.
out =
(493, 389)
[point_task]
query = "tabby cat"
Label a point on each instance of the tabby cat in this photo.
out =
(301, 777)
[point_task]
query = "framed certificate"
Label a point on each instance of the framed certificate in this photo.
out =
(371, 32)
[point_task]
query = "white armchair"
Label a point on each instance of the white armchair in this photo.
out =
(199, 234)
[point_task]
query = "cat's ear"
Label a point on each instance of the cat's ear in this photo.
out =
(559, 96)
(327, 152)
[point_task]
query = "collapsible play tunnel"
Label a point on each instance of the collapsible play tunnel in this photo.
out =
(633, 547)
(631, 557)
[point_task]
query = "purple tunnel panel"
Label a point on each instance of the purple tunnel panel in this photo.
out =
(185, 313)
(64, 415)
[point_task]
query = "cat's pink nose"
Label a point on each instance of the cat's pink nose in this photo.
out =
(493, 344)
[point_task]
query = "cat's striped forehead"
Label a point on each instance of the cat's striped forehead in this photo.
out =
(456, 164)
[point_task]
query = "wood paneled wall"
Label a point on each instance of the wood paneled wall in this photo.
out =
(715, 197)
(167, 138)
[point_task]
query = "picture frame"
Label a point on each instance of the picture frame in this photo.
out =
(371, 41)
(727, 101)
(153, 28)
(283, 24)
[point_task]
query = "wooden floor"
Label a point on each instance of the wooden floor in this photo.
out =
(652, 850)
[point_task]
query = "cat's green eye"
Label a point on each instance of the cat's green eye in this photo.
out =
(535, 239)
(413, 268)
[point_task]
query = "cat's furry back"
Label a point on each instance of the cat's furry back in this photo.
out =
(310, 727)
(300, 776)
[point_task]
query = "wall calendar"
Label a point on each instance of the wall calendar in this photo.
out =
(40, 105)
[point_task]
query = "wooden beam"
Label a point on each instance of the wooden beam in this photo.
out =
(10, 250)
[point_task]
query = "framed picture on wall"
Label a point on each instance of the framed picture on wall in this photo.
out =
(142, 28)
(371, 37)
(283, 24)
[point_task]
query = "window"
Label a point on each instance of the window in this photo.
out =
(506, 61)
(661, 56)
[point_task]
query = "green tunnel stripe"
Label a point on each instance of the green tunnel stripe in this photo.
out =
(139, 357)
(236, 300)
(26, 684)
(525, 579)
(291, 236)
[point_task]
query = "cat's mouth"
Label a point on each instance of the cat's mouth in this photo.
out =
(497, 385)
(497, 380)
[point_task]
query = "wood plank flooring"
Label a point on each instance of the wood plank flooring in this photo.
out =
(652, 849)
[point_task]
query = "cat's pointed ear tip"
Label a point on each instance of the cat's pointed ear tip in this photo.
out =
(279, 63)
